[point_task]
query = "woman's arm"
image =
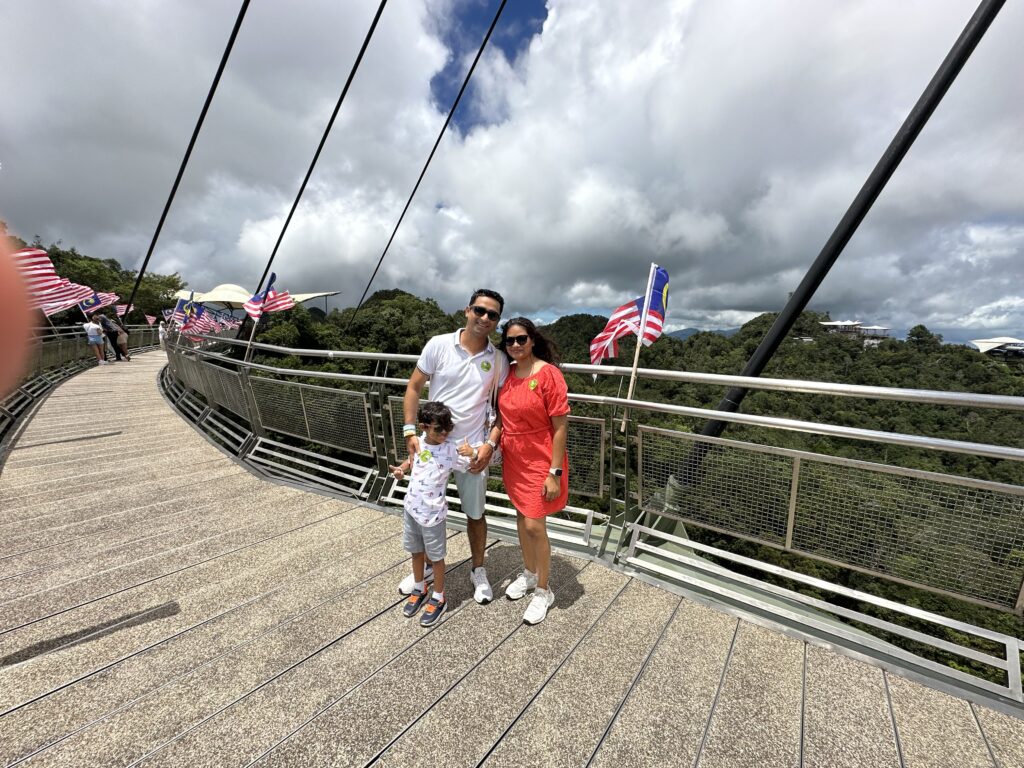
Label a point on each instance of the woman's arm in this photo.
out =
(552, 485)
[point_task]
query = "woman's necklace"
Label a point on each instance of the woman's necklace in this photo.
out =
(530, 371)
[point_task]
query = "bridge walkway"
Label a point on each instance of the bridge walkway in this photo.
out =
(160, 605)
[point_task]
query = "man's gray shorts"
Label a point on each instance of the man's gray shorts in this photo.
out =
(472, 493)
(430, 539)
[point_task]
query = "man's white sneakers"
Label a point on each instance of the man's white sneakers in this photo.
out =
(481, 586)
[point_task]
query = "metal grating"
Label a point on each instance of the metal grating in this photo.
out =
(732, 489)
(307, 468)
(192, 407)
(225, 388)
(225, 431)
(585, 445)
(395, 407)
(16, 402)
(959, 538)
(36, 386)
(338, 418)
(279, 406)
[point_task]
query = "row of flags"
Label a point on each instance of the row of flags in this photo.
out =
(643, 317)
(647, 311)
(194, 318)
(51, 293)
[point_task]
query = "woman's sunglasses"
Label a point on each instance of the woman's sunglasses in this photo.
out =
(511, 341)
(481, 311)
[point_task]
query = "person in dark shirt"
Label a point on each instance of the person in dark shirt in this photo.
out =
(110, 330)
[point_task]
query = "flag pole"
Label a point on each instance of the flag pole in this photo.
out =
(255, 325)
(639, 342)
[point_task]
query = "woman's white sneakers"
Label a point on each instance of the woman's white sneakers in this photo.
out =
(524, 582)
(537, 610)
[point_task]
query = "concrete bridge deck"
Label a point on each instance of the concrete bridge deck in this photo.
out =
(159, 605)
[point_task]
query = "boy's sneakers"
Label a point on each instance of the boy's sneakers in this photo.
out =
(537, 610)
(432, 613)
(481, 586)
(525, 582)
(413, 603)
(408, 584)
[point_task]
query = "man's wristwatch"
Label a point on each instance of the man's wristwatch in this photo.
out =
(555, 471)
(494, 445)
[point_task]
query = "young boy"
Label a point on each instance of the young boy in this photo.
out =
(426, 508)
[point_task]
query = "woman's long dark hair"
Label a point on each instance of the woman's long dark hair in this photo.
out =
(543, 347)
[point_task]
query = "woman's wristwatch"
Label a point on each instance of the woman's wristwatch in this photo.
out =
(493, 444)
(555, 471)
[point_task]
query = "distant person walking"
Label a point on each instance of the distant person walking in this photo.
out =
(534, 405)
(112, 331)
(162, 334)
(94, 338)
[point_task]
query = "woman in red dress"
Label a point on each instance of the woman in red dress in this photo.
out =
(533, 404)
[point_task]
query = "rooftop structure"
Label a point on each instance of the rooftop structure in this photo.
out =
(234, 296)
(1000, 345)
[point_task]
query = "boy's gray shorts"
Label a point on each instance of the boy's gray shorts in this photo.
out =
(433, 539)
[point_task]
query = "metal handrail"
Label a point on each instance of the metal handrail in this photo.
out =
(772, 422)
(933, 397)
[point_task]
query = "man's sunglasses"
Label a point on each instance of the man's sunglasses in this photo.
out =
(481, 311)
(511, 341)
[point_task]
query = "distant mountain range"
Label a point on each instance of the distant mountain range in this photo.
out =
(686, 333)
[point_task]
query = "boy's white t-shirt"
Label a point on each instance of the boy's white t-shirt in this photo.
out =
(425, 498)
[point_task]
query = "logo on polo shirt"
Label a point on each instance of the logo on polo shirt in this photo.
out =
(485, 366)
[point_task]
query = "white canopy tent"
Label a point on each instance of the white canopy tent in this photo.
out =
(987, 345)
(234, 296)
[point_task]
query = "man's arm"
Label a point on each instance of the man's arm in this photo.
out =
(411, 406)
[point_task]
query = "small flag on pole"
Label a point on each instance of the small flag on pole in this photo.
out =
(97, 302)
(149, 318)
(59, 299)
(626, 320)
(269, 301)
(122, 309)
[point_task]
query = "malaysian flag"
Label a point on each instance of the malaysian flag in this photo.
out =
(59, 299)
(198, 320)
(269, 301)
(122, 309)
(149, 318)
(167, 313)
(178, 314)
(96, 302)
(37, 272)
(626, 320)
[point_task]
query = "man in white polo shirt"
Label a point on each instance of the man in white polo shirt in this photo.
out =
(463, 368)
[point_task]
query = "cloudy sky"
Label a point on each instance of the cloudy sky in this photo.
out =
(723, 140)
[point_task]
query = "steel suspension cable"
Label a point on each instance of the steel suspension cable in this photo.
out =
(323, 141)
(188, 152)
(430, 157)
